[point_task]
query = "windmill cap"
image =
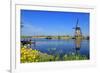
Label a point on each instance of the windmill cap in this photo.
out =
(78, 28)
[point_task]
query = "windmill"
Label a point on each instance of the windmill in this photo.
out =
(22, 25)
(77, 37)
(78, 32)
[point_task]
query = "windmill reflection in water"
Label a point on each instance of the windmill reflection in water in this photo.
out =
(78, 38)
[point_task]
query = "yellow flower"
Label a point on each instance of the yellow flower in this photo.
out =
(34, 56)
(36, 60)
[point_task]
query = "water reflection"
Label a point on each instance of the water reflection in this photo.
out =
(74, 48)
(77, 45)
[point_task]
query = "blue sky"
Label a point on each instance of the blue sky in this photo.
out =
(52, 22)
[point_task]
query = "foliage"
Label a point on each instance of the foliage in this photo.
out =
(29, 55)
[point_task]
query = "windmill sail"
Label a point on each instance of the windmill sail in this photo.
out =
(78, 32)
(77, 23)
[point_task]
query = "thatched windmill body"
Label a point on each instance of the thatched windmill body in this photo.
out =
(78, 32)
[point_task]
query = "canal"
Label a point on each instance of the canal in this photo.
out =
(62, 47)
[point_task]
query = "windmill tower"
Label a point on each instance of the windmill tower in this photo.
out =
(78, 32)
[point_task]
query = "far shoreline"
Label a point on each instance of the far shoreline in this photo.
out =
(63, 37)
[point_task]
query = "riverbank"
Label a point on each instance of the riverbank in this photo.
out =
(29, 55)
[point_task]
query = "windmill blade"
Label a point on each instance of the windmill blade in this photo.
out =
(22, 26)
(77, 22)
(73, 28)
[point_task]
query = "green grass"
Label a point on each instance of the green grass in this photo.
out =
(74, 57)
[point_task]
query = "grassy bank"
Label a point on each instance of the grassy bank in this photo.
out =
(29, 55)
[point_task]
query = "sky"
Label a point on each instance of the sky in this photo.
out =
(37, 22)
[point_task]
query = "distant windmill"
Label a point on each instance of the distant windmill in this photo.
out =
(78, 32)
(22, 25)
